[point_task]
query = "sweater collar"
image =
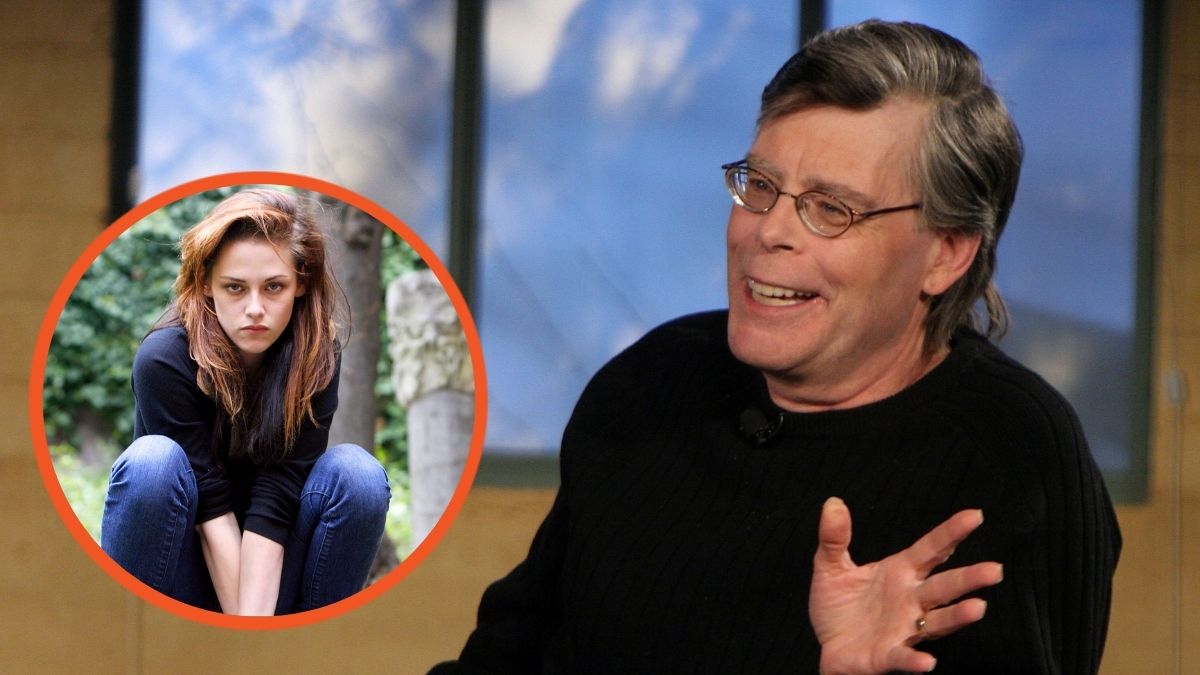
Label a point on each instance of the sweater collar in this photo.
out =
(750, 393)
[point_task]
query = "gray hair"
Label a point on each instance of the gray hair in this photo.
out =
(970, 153)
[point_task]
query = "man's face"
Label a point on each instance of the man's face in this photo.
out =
(253, 286)
(833, 321)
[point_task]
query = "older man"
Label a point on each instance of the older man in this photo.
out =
(704, 466)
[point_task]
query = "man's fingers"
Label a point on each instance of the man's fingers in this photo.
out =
(938, 623)
(944, 621)
(833, 534)
(935, 548)
(906, 659)
(946, 587)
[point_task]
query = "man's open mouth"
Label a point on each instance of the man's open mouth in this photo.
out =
(778, 295)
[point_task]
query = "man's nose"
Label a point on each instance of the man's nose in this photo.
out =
(781, 229)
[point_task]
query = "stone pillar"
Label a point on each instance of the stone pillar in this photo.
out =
(433, 379)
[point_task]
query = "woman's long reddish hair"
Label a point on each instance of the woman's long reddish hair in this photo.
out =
(275, 217)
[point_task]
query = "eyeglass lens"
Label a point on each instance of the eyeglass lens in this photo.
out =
(757, 193)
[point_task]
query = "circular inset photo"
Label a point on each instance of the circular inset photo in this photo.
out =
(258, 400)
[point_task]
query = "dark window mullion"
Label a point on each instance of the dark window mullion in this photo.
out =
(465, 146)
(126, 53)
(812, 19)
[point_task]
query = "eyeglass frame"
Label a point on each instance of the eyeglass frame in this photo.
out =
(855, 215)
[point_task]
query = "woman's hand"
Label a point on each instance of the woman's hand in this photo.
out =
(245, 568)
(262, 566)
(221, 543)
(868, 618)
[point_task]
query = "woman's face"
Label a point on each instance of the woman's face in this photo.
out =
(253, 285)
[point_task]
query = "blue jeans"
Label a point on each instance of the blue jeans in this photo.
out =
(150, 512)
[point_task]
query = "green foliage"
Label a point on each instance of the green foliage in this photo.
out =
(398, 257)
(392, 435)
(84, 486)
(398, 525)
(119, 297)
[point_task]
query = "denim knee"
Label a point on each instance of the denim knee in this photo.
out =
(151, 469)
(149, 509)
(350, 477)
(341, 519)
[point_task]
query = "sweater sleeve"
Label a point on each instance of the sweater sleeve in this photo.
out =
(275, 494)
(169, 403)
(520, 612)
(1051, 523)
(521, 616)
(1073, 543)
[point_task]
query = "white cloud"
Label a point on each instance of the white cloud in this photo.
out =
(518, 192)
(716, 54)
(644, 50)
(178, 25)
(1075, 196)
(523, 39)
(339, 107)
(433, 30)
(1061, 358)
(348, 136)
(358, 22)
(625, 335)
(285, 17)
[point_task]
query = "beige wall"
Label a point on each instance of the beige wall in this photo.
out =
(1156, 612)
(53, 157)
(59, 612)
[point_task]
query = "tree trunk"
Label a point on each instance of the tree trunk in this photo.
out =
(94, 438)
(355, 244)
(356, 241)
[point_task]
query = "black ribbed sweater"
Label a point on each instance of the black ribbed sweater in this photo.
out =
(676, 545)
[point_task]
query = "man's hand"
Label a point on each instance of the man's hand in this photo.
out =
(866, 617)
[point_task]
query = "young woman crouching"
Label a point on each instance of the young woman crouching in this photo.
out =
(228, 499)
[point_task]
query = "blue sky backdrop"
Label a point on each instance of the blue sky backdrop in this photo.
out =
(603, 208)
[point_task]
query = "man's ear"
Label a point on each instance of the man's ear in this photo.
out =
(951, 256)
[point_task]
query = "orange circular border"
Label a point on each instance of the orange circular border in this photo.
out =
(38, 427)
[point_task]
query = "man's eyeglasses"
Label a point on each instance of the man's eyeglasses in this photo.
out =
(824, 214)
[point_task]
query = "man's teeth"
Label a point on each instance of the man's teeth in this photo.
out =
(777, 295)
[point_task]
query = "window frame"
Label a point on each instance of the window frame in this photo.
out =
(465, 190)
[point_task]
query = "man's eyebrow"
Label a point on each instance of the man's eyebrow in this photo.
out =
(812, 182)
(760, 163)
(841, 191)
